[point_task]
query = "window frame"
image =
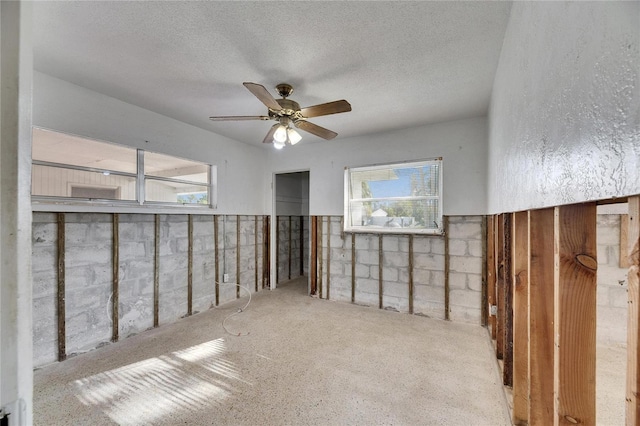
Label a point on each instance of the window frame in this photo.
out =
(348, 227)
(140, 181)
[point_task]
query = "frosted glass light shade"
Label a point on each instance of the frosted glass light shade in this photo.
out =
(294, 137)
(277, 144)
(281, 134)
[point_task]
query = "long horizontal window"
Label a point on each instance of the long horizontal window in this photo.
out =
(75, 169)
(401, 197)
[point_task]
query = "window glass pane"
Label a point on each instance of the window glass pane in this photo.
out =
(422, 214)
(173, 192)
(62, 182)
(396, 181)
(60, 148)
(167, 166)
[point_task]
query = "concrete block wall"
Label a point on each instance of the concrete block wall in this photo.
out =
(611, 324)
(284, 239)
(465, 243)
(89, 273)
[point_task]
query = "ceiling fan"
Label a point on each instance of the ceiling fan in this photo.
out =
(288, 113)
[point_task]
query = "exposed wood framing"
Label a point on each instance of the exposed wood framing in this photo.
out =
(277, 249)
(255, 250)
(266, 253)
(115, 263)
(321, 222)
(520, 277)
(507, 372)
(217, 258)
(353, 268)
(190, 267)
(624, 241)
(491, 274)
(313, 261)
(61, 312)
(541, 272)
(633, 322)
(380, 277)
(301, 245)
(156, 271)
(500, 318)
(575, 314)
(238, 256)
(290, 248)
(410, 273)
(484, 311)
(328, 257)
(445, 220)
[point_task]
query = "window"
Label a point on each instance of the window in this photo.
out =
(70, 168)
(401, 198)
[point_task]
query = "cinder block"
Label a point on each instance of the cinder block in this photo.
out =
(437, 245)
(390, 243)
(434, 262)
(457, 280)
(421, 244)
(395, 289)
(474, 248)
(362, 271)
(390, 274)
(474, 281)
(421, 276)
(366, 285)
(465, 231)
(395, 303)
(367, 257)
(464, 298)
(458, 248)
(395, 259)
(363, 242)
(466, 264)
(44, 234)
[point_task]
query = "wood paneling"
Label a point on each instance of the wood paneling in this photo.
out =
(633, 322)
(520, 277)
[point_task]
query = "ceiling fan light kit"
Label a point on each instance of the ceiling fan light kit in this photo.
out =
(287, 112)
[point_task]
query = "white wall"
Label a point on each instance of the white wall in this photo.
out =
(461, 143)
(565, 111)
(242, 171)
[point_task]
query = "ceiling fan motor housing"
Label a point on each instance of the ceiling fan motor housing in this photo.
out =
(289, 109)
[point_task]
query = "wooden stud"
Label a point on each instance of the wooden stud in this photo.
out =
(380, 282)
(217, 258)
(410, 273)
(238, 256)
(507, 372)
(290, 244)
(156, 271)
(520, 277)
(624, 241)
(190, 267)
(353, 268)
(61, 311)
(541, 271)
(328, 256)
(575, 314)
(301, 246)
(313, 261)
(445, 224)
(632, 406)
(266, 269)
(277, 249)
(115, 262)
(484, 308)
(255, 250)
(491, 274)
(500, 318)
(321, 222)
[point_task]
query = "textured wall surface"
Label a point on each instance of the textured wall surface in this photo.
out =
(465, 279)
(289, 241)
(89, 273)
(564, 122)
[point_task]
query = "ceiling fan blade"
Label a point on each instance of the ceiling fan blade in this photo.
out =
(263, 94)
(334, 107)
(239, 118)
(269, 137)
(315, 129)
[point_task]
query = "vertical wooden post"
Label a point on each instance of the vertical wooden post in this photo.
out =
(500, 317)
(277, 249)
(575, 314)
(484, 308)
(238, 256)
(541, 272)
(508, 303)
(190, 266)
(520, 279)
(633, 319)
(115, 263)
(301, 246)
(353, 268)
(410, 273)
(156, 271)
(445, 220)
(491, 274)
(328, 256)
(255, 250)
(266, 269)
(380, 274)
(61, 311)
(624, 242)
(290, 244)
(217, 257)
(313, 261)
(320, 256)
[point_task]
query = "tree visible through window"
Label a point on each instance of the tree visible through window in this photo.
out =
(403, 197)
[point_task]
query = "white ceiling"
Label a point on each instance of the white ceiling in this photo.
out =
(399, 64)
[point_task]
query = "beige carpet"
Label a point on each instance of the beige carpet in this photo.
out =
(304, 362)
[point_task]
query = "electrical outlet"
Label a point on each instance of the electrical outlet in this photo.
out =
(225, 278)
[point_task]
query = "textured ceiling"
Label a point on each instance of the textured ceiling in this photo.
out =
(399, 64)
